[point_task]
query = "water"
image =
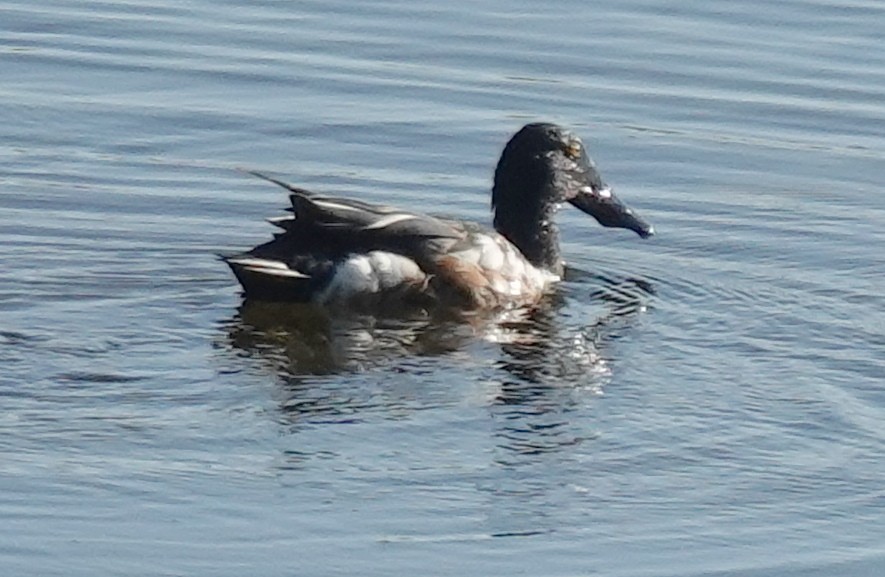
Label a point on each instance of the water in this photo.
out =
(706, 402)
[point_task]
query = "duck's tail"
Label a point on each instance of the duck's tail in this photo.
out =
(266, 279)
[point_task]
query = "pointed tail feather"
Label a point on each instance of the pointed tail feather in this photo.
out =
(269, 279)
(278, 182)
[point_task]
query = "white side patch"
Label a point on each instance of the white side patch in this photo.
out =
(371, 273)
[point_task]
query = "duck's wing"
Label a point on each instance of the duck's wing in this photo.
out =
(323, 232)
(359, 226)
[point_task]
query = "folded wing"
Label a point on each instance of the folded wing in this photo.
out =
(325, 238)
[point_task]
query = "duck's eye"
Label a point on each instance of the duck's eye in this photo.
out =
(573, 150)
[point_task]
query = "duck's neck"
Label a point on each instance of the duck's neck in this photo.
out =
(533, 231)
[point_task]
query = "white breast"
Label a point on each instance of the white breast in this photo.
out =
(510, 277)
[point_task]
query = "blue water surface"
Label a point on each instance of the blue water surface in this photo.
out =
(707, 402)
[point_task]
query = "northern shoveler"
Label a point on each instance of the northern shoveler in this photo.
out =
(335, 251)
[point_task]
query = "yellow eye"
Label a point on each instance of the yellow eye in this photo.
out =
(573, 150)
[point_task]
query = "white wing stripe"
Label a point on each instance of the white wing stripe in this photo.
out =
(277, 272)
(389, 220)
(331, 205)
(271, 267)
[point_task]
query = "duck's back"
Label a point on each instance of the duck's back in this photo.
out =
(333, 250)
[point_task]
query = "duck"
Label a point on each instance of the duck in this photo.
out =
(338, 252)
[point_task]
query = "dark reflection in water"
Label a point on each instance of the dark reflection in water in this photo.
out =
(557, 362)
(547, 358)
(307, 340)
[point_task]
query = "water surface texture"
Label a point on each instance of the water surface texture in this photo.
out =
(707, 402)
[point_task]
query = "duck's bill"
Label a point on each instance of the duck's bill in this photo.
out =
(602, 204)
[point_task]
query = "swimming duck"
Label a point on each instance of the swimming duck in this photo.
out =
(333, 251)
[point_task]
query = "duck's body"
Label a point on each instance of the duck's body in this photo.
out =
(375, 255)
(334, 251)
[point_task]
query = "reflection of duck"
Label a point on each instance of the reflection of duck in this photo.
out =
(538, 347)
(334, 251)
(545, 361)
(301, 339)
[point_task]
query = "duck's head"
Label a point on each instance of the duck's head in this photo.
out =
(542, 166)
